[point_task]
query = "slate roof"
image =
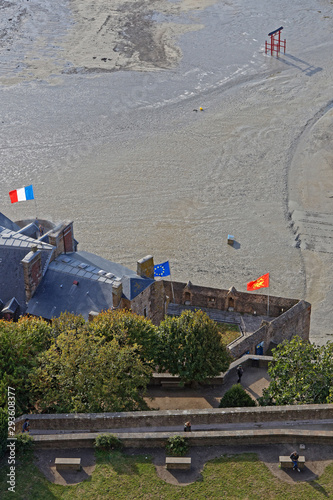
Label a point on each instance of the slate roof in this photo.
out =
(57, 293)
(132, 283)
(7, 223)
(11, 306)
(14, 247)
(95, 276)
(30, 230)
(16, 239)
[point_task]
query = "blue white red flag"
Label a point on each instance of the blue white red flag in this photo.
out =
(22, 194)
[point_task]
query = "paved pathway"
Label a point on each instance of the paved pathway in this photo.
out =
(326, 425)
(254, 380)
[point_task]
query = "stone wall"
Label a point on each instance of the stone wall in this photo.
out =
(242, 302)
(151, 302)
(62, 238)
(156, 419)
(32, 272)
(291, 316)
(295, 321)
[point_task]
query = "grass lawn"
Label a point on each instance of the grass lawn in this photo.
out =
(118, 476)
(229, 332)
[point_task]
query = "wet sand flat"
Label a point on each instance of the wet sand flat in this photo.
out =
(121, 147)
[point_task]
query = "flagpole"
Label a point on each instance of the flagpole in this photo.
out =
(36, 207)
(173, 294)
(268, 302)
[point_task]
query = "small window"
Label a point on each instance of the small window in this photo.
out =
(187, 299)
(231, 304)
(145, 312)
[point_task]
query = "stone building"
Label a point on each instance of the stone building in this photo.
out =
(43, 274)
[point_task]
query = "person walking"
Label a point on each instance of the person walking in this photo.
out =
(187, 426)
(240, 372)
(294, 457)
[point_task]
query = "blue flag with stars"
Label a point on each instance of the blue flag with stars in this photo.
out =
(162, 269)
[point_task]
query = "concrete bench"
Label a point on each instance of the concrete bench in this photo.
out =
(178, 462)
(288, 463)
(68, 463)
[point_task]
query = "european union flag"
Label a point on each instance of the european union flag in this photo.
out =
(162, 269)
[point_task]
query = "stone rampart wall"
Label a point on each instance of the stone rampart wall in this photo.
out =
(295, 321)
(155, 419)
(242, 302)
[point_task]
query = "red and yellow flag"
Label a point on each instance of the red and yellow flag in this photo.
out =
(262, 282)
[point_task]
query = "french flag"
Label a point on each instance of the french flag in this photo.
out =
(23, 194)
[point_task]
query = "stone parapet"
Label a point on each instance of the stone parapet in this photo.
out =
(99, 421)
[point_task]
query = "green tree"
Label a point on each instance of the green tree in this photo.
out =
(191, 347)
(67, 322)
(83, 372)
(128, 329)
(300, 373)
(20, 344)
(236, 396)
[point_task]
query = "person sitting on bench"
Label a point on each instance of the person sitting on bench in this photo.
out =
(294, 457)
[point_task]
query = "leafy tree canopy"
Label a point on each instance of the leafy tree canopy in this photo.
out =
(20, 343)
(192, 347)
(128, 329)
(300, 373)
(83, 372)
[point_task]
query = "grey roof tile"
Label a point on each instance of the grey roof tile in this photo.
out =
(51, 300)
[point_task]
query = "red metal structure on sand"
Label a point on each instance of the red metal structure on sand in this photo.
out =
(276, 43)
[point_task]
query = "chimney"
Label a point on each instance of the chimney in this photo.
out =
(92, 315)
(117, 292)
(32, 271)
(62, 238)
(145, 267)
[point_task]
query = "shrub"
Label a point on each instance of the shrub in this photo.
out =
(236, 396)
(177, 446)
(23, 443)
(108, 442)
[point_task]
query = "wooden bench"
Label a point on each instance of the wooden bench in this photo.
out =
(178, 462)
(288, 463)
(68, 463)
